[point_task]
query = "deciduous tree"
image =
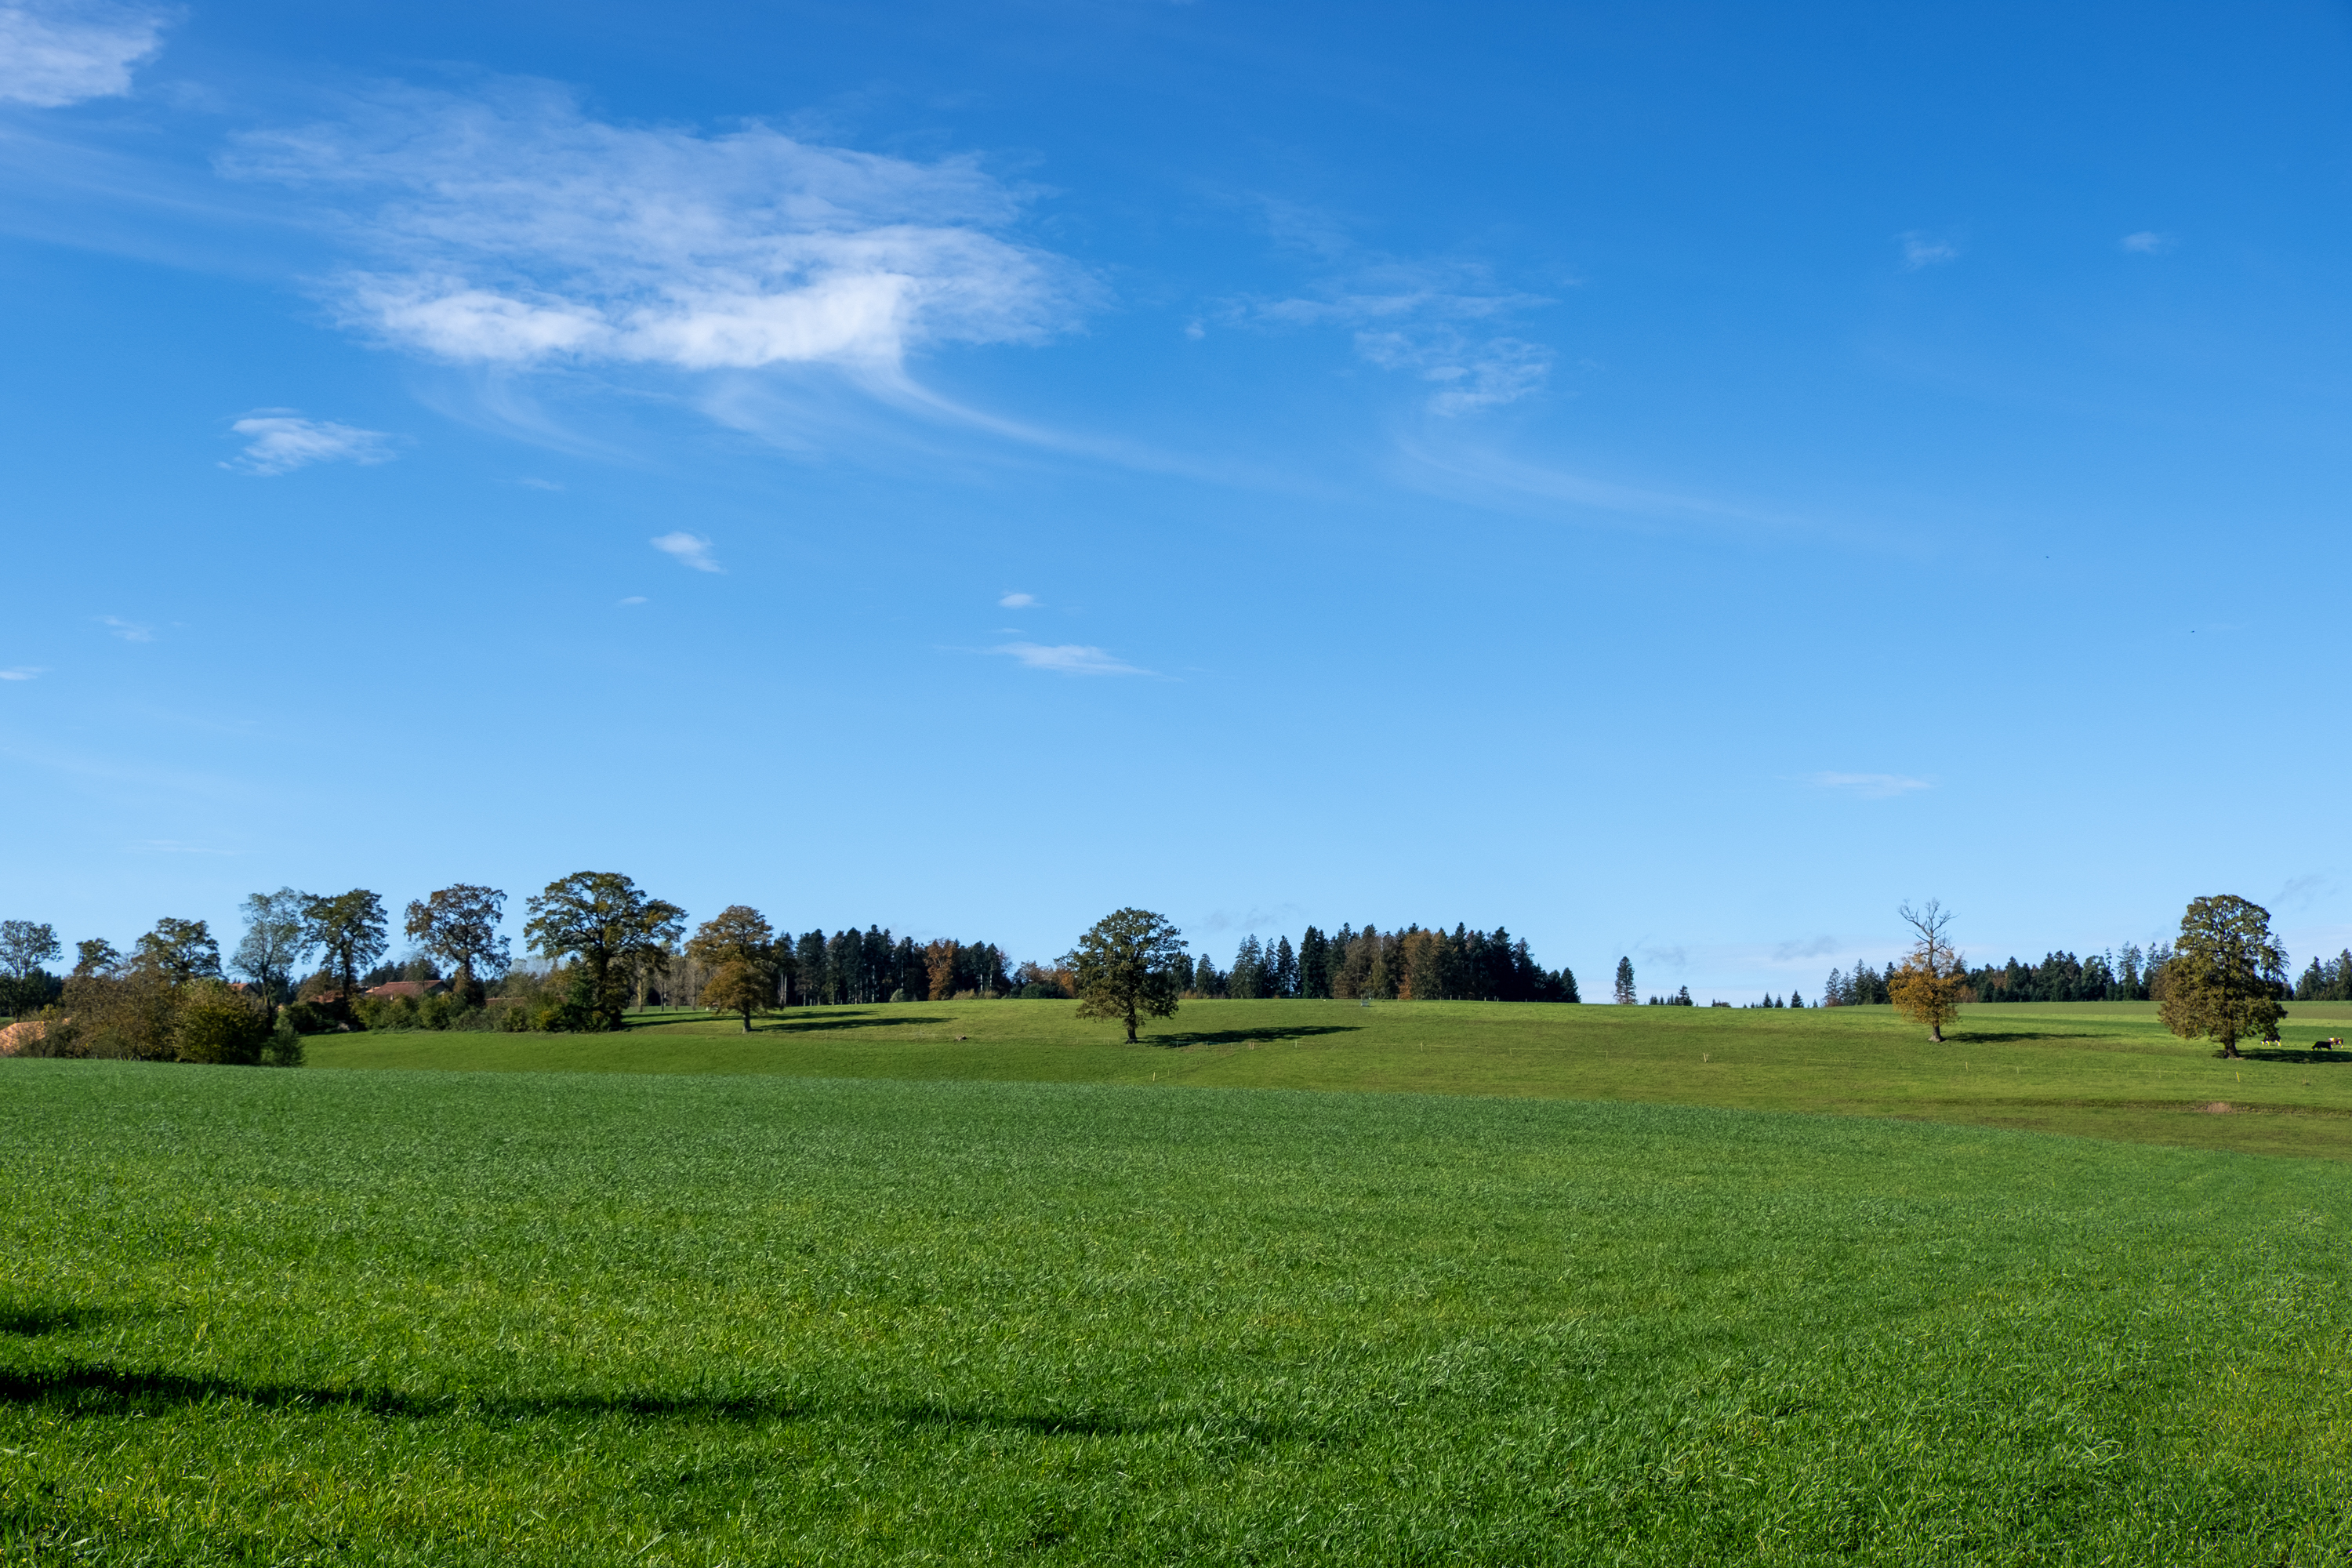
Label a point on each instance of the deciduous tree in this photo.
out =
(940, 967)
(1130, 967)
(277, 937)
(610, 922)
(349, 929)
(1928, 988)
(24, 947)
(2226, 974)
(177, 952)
(95, 956)
(460, 923)
(739, 947)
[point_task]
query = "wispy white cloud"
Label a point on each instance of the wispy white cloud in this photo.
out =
(1067, 658)
(1017, 602)
(1870, 786)
(1798, 950)
(2147, 242)
(532, 484)
(21, 672)
(1469, 376)
(1434, 321)
(129, 631)
(1920, 249)
(635, 599)
(510, 228)
(54, 54)
(173, 846)
(282, 441)
(689, 550)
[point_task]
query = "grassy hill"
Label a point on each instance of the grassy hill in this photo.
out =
(2090, 1069)
(569, 1318)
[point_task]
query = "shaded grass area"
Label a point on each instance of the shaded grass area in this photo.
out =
(2104, 1071)
(395, 1317)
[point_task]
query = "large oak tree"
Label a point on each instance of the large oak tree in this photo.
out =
(459, 924)
(350, 930)
(612, 925)
(2226, 974)
(1130, 967)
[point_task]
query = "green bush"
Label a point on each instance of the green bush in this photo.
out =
(284, 1046)
(215, 1024)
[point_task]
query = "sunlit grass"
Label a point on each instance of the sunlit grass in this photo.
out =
(2090, 1069)
(400, 1317)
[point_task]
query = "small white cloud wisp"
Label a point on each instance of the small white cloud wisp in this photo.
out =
(281, 441)
(1926, 250)
(21, 672)
(52, 55)
(508, 227)
(129, 631)
(1869, 786)
(1017, 602)
(1067, 658)
(687, 550)
(2146, 242)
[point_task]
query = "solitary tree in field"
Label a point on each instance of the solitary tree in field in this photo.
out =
(1130, 967)
(1926, 989)
(348, 930)
(460, 924)
(276, 937)
(608, 921)
(2226, 974)
(1625, 981)
(739, 949)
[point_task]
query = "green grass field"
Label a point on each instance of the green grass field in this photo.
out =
(2088, 1070)
(828, 1294)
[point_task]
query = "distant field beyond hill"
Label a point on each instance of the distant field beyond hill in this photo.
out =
(2097, 1069)
(258, 1317)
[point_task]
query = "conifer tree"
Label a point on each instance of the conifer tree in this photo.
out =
(1625, 992)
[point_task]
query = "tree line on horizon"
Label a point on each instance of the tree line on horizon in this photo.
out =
(604, 946)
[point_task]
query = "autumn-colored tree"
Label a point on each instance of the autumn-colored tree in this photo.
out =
(610, 922)
(939, 967)
(460, 923)
(1928, 987)
(739, 948)
(2226, 974)
(1130, 967)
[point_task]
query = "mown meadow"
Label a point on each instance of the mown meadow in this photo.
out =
(866, 1292)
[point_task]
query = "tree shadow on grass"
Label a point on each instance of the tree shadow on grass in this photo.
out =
(96, 1389)
(1986, 1037)
(857, 1021)
(30, 1320)
(1243, 1036)
(2289, 1054)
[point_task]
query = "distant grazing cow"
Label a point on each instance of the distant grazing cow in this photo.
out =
(2328, 1044)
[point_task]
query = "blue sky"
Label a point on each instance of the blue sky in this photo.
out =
(1676, 480)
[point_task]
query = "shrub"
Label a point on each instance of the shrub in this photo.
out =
(128, 1019)
(214, 1024)
(283, 1048)
(1041, 991)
